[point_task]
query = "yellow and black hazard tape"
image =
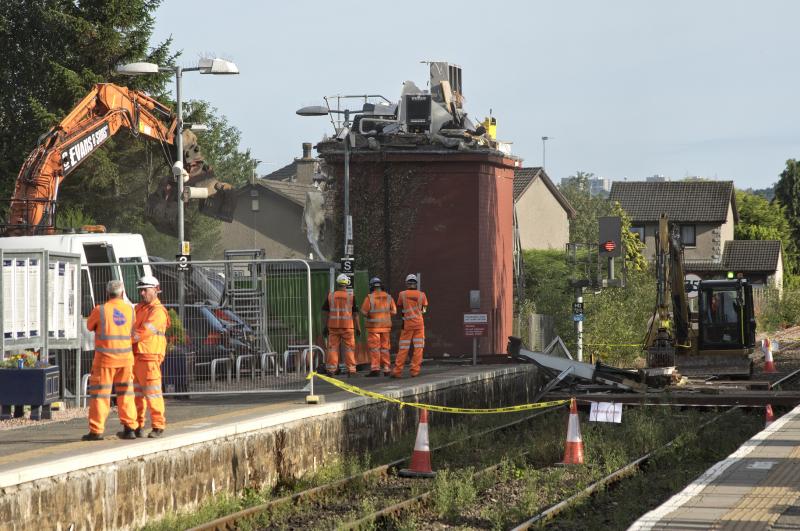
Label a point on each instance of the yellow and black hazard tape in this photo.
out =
(433, 407)
(612, 345)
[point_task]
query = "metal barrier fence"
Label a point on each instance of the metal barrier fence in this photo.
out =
(245, 326)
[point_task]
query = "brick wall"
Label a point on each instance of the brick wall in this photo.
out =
(447, 215)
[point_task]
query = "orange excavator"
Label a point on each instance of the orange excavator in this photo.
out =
(96, 118)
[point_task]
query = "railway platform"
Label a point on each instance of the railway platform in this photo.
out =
(49, 479)
(757, 487)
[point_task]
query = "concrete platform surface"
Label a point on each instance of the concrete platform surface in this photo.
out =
(756, 487)
(54, 448)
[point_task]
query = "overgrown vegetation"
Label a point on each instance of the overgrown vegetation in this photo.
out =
(54, 52)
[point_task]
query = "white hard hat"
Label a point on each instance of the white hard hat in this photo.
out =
(342, 279)
(147, 281)
(411, 278)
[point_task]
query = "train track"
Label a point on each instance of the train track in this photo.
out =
(394, 499)
(381, 476)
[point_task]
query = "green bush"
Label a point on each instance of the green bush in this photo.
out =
(775, 312)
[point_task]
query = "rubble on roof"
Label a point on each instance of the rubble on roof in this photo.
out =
(421, 118)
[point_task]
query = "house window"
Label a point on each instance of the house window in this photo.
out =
(640, 231)
(688, 235)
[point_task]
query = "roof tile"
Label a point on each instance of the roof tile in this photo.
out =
(681, 201)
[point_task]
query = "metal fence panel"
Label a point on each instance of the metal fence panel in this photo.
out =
(247, 325)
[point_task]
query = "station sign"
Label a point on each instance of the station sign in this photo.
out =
(476, 324)
(184, 262)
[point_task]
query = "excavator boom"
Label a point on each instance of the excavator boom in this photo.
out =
(96, 118)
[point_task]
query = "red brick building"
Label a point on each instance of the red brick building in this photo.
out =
(445, 214)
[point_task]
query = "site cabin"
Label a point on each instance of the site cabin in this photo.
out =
(127, 251)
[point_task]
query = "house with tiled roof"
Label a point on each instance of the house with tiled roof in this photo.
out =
(287, 213)
(542, 211)
(705, 212)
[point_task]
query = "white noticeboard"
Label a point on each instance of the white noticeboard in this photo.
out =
(605, 412)
(40, 302)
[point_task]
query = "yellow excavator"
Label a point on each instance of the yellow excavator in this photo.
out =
(714, 333)
(107, 109)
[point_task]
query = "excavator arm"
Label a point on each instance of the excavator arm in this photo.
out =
(96, 118)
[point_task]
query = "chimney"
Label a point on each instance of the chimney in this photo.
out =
(305, 166)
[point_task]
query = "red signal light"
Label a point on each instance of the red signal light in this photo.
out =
(609, 246)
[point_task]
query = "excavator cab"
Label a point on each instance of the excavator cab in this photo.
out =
(725, 317)
(725, 339)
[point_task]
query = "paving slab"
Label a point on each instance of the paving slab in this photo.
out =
(757, 487)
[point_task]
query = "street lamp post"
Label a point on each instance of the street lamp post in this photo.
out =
(544, 153)
(205, 66)
(324, 111)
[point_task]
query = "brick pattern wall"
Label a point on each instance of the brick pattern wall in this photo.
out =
(450, 217)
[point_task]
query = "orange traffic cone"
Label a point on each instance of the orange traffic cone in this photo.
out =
(769, 363)
(421, 458)
(770, 416)
(573, 452)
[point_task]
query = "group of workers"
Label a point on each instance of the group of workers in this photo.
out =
(130, 344)
(342, 317)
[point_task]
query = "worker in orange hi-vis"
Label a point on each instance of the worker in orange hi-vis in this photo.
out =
(378, 308)
(341, 315)
(412, 304)
(149, 349)
(112, 368)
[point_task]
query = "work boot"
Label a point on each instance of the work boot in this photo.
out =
(387, 373)
(139, 433)
(128, 434)
(156, 433)
(92, 436)
(373, 374)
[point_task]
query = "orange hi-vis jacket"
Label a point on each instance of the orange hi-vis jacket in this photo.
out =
(340, 314)
(112, 323)
(411, 302)
(378, 308)
(150, 331)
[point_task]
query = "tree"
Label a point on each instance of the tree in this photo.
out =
(787, 193)
(54, 52)
(761, 220)
(584, 228)
(634, 259)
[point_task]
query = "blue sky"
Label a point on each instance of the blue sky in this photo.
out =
(625, 89)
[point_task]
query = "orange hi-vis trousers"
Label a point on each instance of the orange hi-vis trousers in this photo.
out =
(147, 387)
(102, 381)
(378, 344)
(408, 339)
(344, 338)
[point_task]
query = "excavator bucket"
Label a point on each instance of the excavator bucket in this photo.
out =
(736, 363)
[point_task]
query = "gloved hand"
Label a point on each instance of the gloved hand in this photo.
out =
(358, 332)
(325, 331)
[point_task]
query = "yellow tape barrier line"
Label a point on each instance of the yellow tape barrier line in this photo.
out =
(609, 345)
(432, 407)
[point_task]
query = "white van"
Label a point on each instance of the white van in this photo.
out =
(126, 250)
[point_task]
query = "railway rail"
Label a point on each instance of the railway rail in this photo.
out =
(393, 499)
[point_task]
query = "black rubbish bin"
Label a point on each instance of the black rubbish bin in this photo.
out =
(177, 371)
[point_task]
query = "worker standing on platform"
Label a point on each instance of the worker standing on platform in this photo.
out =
(413, 304)
(112, 367)
(149, 349)
(341, 315)
(378, 308)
